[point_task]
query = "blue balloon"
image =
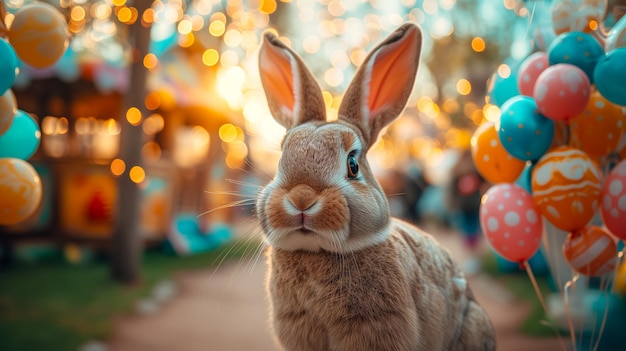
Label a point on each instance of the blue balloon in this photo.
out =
(8, 66)
(610, 76)
(524, 132)
(578, 49)
(525, 178)
(503, 88)
(22, 139)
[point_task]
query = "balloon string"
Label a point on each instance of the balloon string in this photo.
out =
(550, 256)
(530, 20)
(529, 271)
(572, 331)
(603, 287)
(531, 276)
(618, 264)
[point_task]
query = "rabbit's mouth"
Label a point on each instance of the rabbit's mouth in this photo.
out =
(305, 231)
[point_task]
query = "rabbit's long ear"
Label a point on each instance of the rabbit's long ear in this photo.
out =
(382, 85)
(293, 95)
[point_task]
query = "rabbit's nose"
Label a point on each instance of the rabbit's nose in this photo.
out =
(302, 197)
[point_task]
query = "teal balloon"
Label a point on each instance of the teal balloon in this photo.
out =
(524, 133)
(525, 178)
(22, 139)
(578, 49)
(8, 66)
(610, 76)
(503, 88)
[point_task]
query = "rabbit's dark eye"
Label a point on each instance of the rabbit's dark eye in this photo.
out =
(353, 166)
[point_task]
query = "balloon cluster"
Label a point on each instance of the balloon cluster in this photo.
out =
(554, 154)
(39, 37)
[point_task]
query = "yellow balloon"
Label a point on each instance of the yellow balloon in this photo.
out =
(8, 109)
(21, 189)
(39, 34)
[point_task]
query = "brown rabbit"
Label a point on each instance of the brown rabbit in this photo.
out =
(343, 274)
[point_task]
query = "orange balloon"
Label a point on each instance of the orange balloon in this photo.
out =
(8, 109)
(491, 158)
(566, 186)
(590, 251)
(20, 187)
(39, 34)
(598, 130)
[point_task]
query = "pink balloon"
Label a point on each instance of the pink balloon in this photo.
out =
(613, 207)
(562, 92)
(511, 222)
(529, 71)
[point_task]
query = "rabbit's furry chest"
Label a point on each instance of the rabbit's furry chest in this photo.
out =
(405, 288)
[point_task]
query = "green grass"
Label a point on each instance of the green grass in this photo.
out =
(520, 285)
(59, 306)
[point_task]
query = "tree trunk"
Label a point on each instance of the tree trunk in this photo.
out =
(127, 243)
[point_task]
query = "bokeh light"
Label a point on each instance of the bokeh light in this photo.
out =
(118, 167)
(137, 174)
(478, 44)
(463, 87)
(133, 116)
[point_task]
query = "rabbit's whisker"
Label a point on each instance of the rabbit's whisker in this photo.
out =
(237, 203)
(230, 193)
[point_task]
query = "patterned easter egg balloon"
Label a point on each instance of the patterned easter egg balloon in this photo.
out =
(20, 187)
(613, 208)
(523, 131)
(562, 91)
(576, 48)
(590, 251)
(566, 187)
(610, 76)
(492, 161)
(8, 109)
(598, 130)
(529, 71)
(576, 15)
(511, 222)
(39, 34)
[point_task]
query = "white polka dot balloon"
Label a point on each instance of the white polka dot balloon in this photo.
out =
(562, 92)
(529, 71)
(511, 222)
(613, 207)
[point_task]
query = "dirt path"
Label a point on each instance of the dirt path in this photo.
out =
(226, 310)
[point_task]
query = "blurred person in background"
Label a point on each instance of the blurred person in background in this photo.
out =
(404, 189)
(462, 199)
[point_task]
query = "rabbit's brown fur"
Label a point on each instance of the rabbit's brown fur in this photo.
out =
(343, 274)
(398, 301)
